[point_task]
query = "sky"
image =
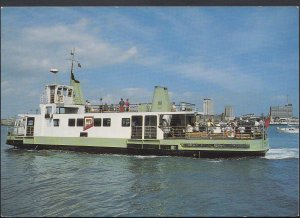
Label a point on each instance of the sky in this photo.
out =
(246, 57)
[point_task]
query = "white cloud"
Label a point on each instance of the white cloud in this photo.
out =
(230, 78)
(134, 94)
(39, 48)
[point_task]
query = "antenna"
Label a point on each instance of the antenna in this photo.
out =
(55, 71)
(73, 60)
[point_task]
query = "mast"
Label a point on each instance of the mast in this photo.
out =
(78, 96)
(72, 59)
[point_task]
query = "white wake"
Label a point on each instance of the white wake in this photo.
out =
(282, 153)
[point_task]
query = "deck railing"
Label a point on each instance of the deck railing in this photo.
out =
(150, 132)
(182, 132)
(111, 108)
(16, 131)
(136, 132)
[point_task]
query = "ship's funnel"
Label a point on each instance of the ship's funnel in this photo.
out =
(161, 101)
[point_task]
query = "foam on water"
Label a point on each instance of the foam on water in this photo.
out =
(148, 156)
(215, 161)
(282, 153)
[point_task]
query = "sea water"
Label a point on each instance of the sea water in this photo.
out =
(60, 183)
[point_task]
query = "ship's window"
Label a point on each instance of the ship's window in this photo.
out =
(59, 91)
(48, 110)
(71, 122)
(70, 93)
(60, 110)
(80, 122)
(55, 122)
(30, 121)
(150, 121)
(65, 91)
(126, 122)
(106, 121)
(83, 134)
(97, 122)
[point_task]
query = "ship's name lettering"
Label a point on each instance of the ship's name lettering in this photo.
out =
(216, 145)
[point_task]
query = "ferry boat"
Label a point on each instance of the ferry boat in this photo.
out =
(65, 123)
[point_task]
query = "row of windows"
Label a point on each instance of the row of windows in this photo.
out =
(97, 122)
(137, 121)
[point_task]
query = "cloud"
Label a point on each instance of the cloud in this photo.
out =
(226, 77)
(279, 99)
(113, 96)
(6, 89)
(202, 50)
(39, 48)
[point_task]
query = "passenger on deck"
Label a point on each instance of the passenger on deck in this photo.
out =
(209, 124)
(261, 123)
(105, 107)
(121, 104)
(112, 108)
(173, 107)
(256, 122)
(127, 105)
(88, 106)
(101, 105)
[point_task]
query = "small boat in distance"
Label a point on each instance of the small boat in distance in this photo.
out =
(291, 127)
(288, 129)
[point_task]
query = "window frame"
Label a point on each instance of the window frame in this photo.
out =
(56, 122)
(97, 120)
(72, 119)
(105, 120)
(77, 121)
(124, 123)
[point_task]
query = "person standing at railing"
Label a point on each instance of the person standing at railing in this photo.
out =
(112, 108)
(101, 106)
(127, 105)
(208, 125)
(89, 106)
(173, 107)
(121, 104)
(105, 107)
(86, 106)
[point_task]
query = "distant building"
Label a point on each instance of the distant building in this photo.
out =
(228, 114)
(208, 106)
(285, 111)
(228, 111)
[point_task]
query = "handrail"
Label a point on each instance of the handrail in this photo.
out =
(16, 130)
(185, 132)
(111, 108)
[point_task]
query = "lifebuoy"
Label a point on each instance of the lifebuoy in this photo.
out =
(230, 134)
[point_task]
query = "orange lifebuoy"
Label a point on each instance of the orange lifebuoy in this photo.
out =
(230, 134)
